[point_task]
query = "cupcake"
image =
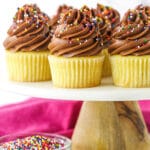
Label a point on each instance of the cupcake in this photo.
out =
(27, 45)
(75, 58)
(54, 20)
(130, 51)
(112, 18)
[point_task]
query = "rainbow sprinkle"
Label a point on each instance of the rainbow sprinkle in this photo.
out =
(30, 13)
(33, 143)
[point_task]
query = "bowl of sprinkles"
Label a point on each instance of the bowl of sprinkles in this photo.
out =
(34, 141)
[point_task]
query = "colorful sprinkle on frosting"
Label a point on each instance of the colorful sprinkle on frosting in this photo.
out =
(132, 36)
(110, 14)
(55, 19)
(77, 35)
(30, 13)
(29, 30)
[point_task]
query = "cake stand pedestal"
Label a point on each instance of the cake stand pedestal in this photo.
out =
(110, 126)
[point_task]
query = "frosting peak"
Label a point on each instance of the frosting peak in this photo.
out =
(110, 14)
(29, 30)
(55, 19)
(111, 19)
(87, 11)
(145, 10)
(26, 12)
(134, 17)
(132, 37)
(72, 16)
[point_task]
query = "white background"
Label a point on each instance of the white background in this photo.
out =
(8, 9)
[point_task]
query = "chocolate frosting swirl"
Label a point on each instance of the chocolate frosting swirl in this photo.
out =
(145, 10)
(111, 19)
(102, 24)
(55, 19)
(132, 37)
(75, 36)
(29, 31)
(110, 14)
(89, 12)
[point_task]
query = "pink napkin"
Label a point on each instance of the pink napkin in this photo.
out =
(51, 116)
(40, 115)
(145, 107)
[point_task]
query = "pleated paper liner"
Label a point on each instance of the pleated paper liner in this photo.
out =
(131, 71)
(77, 72)
(106, 66)
(28, 66)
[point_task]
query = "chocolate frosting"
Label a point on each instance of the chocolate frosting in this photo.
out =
(110, 14)
(111, 19)
(103, 26)
(29, 31)
(132, 37)
(55, 19)
(76, 35)
(144, 10)
(89, 12)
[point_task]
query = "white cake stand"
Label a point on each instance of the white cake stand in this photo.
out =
(110, 118)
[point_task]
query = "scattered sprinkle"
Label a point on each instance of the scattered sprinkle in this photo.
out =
(145, 40)
(129, 27)
(123, 28)
(78, 39)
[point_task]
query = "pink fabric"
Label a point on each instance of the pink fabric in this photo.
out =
(145, 107)
(42, 115)
(39, 115)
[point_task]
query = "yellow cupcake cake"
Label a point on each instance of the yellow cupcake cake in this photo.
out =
(130, 51)
(27, 46)
(75, 58)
